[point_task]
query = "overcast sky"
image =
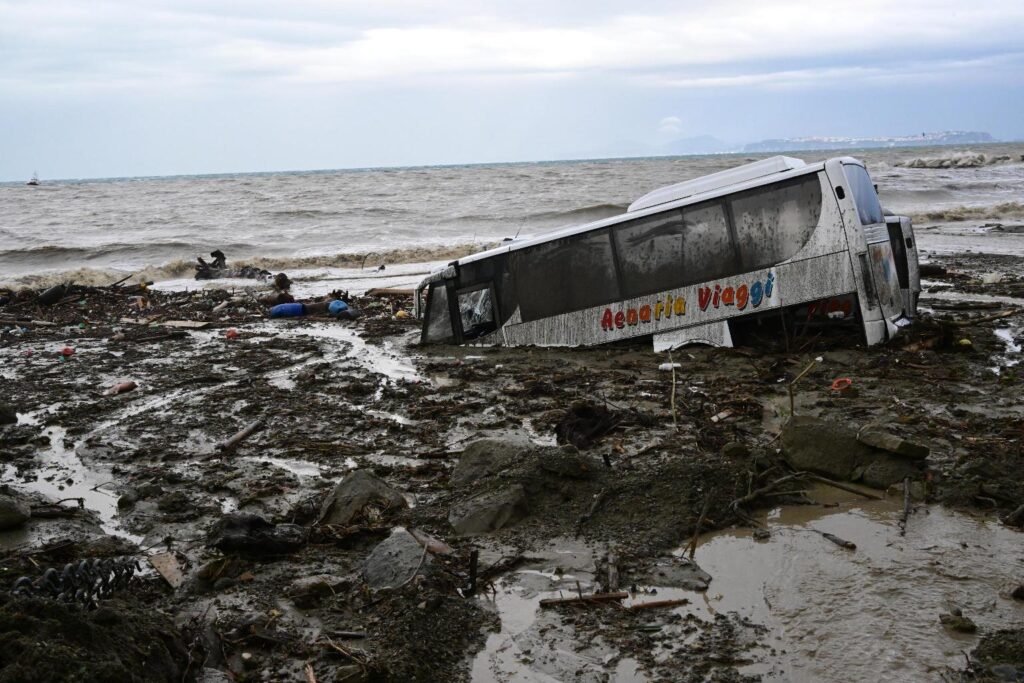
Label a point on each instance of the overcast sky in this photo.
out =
(96, 88)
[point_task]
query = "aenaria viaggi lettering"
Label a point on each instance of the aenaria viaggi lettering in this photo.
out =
(712, 296)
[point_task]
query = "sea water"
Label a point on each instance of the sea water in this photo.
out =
(95, 231)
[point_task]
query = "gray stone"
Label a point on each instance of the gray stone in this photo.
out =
(14, 511)
(678, 572)
(359, 489)
(485, 458)
(1007, 673)
(310, 591)
(885, 441)
(886, 471)
(809, 443)
(828, 448)
(127, 500)
(490, 511)
(394, 561)
(568, 462)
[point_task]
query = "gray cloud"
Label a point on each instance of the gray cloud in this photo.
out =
(116, 43)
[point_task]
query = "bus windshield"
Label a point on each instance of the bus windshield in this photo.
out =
(864, 195)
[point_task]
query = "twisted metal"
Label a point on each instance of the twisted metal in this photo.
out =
(84, 582)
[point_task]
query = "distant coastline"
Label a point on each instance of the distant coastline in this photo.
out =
(942, 138)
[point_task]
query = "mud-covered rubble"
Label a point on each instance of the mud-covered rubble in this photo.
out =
(339, 533)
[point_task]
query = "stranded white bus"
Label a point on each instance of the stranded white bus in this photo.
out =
(690, 262)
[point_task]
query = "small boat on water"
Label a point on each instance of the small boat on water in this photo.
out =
(35, 179)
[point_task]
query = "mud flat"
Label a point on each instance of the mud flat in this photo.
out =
(334, 539)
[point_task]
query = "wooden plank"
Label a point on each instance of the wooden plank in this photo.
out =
(167, 565)
(187, 324)
(585, 599)
(390, 291)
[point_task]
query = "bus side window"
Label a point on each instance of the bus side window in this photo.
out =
(708, 250)
(566, 275)
(772, 224)
(650, 253)
(438, 329)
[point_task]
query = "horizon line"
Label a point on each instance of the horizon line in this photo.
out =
(403, 167)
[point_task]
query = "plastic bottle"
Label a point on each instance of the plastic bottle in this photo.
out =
(288, 311)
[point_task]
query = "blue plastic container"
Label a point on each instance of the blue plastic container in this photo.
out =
(288, 311)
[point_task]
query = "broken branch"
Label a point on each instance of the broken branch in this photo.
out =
(842, 487)
(586, 599)
(655, 604)
(241, 436)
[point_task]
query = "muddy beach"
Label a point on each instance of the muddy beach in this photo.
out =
(324, 500)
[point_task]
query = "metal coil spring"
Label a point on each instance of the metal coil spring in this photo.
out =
(83, 582)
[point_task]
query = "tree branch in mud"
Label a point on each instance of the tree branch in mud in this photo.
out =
(655, 604)
(984, 319)
(700, 522)
(842, 487)
(594, 598)
(598, 501)
(757, 493)
(241, 436)
(841, 542)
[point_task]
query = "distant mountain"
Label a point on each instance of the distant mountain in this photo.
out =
(952, 137)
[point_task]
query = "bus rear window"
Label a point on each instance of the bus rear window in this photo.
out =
(864, 196)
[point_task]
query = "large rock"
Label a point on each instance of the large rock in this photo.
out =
(359, 489)
(832, 450)
(14, 511)
(394, 561)
(485, 458)
(827, 448)
(885, 471)
(489, 511)
(881, 439)
(240, 532)
(569, 463)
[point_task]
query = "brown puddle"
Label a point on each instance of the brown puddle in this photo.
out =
(871, 613)
(831, 613)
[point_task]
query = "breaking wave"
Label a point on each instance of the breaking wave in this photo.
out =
(178, 269)
(962, 160)
(968, 213)
(50, 254)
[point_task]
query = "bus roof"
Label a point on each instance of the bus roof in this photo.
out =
(714, 181)
(764, 172)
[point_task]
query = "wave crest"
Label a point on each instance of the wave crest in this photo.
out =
(179, 268)
(968, 213)
(961, 160)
